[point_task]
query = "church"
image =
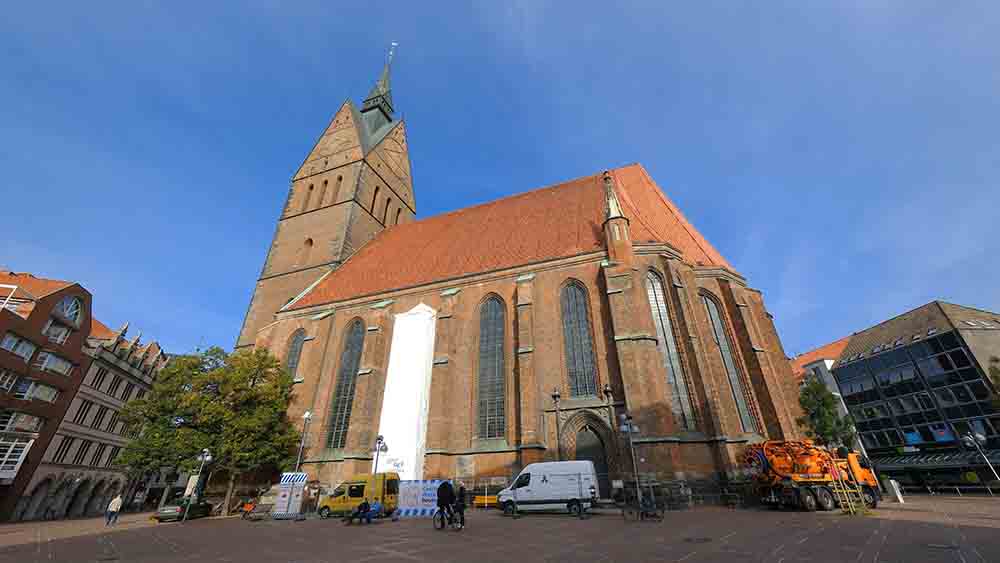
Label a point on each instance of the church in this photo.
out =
(525, 329)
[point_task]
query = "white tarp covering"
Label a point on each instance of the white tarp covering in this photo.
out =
(403, 423)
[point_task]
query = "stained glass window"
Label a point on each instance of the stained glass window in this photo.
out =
(577, 340)
(343, 398)
(680, 398)
(492, 383)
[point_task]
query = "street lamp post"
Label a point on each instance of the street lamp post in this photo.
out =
(306, 417)
(974, 441)
(380, 448)
(628, 427)
(556, 396)
(205, 457)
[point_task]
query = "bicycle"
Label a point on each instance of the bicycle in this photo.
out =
(646, 509)
(441, 520)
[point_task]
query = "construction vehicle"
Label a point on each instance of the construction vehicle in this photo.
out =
(800, 474)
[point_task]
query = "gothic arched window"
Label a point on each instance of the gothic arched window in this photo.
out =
(385, 210)
(374, 200)
(343, 396)
(398, 211)
(491, 382)
(309, 193)
(578, 343)
(680, 398)
(294, 352)
(726, 351)
(322, 193)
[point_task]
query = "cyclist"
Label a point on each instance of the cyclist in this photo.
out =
(446, 499)
(460, 504)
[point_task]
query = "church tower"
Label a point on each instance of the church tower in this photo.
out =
(354, 183)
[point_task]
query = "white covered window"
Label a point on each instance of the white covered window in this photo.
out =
(13, 450)
(17, 346)
(57, 332)
(50, 362)
(19, 422)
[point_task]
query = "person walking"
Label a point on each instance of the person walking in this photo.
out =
(113, 508)
(446, 500)
(460, 504)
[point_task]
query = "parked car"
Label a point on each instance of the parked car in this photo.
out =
(566, 486)
(175, 511)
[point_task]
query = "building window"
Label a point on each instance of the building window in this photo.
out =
(336, 189)
(56, 332)
(63, 449)
(13, 450)
(47, 361)
(294, 352)
(127, 392)
(99, 378)
(385, 210)
(309, 193)
(115, 384)
(680, 398)
(14, 421)
(28, 389)
(492, 381)
(343, 399)
(140, 395)
(322, 193)
(7, 380)
(374, 199)
(112, 422)
(577, 341)
(721, 338)
(81, 453)
(398, 211)
(95, 461)
(112, 457)
(70, 309)
(18, 346)
(83, 411)
(99, 417)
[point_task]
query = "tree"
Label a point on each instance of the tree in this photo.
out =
(244, 404)
(821, 421)
(233, 404)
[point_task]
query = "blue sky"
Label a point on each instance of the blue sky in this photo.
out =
(843, 156)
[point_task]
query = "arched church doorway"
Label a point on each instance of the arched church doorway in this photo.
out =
(590, 447)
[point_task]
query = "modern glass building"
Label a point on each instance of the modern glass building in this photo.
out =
(917, 383)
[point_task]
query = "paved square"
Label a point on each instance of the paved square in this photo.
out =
(932, 529)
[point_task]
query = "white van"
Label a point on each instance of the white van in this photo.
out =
(551, 485)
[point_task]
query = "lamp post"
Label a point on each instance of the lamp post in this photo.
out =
(205, 457)
(306, 417)
(974, 441)
(380, 448)
(556, 396)
(628, 427)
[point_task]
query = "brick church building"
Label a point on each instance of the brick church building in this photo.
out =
(487, 338)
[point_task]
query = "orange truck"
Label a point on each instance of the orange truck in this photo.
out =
(800, 474)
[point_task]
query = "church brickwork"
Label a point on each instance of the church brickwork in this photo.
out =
(366, 269)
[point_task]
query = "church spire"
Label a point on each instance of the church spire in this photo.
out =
(377, 109)
(612, 209)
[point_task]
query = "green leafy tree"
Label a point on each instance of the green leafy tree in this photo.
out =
(232, 404)
(822, 422)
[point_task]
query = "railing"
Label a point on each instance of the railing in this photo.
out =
(958, 490)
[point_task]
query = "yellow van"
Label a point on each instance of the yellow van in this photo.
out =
(345, 497)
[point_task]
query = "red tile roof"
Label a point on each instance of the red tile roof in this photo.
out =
(100, 331)
(29, 286)
(831, 351)
(554, 222)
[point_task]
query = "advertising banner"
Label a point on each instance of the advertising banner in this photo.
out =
(418, 499)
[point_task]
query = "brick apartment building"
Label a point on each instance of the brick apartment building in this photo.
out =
(65, 378)
(450, 335)
(916, 383)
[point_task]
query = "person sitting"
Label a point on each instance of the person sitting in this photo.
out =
(360, 512)
(375, 512)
